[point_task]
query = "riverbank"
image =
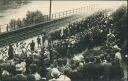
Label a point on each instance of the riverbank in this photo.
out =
(13, 5)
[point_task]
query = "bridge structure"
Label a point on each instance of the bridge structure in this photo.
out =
(8, 36)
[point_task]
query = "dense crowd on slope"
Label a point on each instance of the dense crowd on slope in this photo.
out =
(87, 50)
(48, 65)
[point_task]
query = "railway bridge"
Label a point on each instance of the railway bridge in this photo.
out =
(57, 20)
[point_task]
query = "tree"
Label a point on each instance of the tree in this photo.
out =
(34, 17)
(19, 23)
(12, 24)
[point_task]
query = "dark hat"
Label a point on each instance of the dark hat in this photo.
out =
(33, 68)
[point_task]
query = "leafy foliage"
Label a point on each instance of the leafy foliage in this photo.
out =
(30, 19)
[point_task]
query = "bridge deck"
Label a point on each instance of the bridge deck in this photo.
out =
(34, 30)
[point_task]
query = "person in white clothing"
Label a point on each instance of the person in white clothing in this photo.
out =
(57, 76)
(118, 56)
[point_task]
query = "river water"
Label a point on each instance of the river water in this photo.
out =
(57, 6)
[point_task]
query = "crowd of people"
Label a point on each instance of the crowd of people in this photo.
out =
(87, 50)
(47, 65)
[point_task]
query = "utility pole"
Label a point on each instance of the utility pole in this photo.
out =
(50, 9)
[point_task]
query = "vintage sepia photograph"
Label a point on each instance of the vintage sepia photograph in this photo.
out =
(63, 40)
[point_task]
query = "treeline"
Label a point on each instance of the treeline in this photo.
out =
(30, 19)
(4, 4)
(7, 2)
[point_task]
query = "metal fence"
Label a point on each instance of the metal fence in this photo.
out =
(6, 27)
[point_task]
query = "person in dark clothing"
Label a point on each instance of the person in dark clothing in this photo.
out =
(32, 46)
(19, 76)
(28, 61)
(43, 39)
(51, 56)
(34, 71)
(30, 77)
(39, 41)
(107, 70)
(49, 40)
(42, 69)
(10, 52)
(89, 70)
(99, 69)
(117, 72)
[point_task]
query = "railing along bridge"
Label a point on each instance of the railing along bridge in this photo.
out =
(6, 28)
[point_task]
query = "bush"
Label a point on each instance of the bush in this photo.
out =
(31, 18)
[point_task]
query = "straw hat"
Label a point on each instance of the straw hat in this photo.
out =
(55, 72)
(19, 67)
(5, 73)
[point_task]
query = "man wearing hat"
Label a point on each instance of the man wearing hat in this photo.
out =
(20, 76)
(57, 76)
(10, 52)
(32, 45)
(34, 72)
